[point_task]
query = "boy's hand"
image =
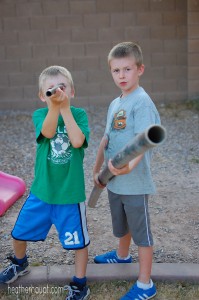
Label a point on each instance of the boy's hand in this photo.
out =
(125, 170)
(97, 182)
(60, 98)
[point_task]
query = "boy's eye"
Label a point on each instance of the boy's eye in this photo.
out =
(116, 70)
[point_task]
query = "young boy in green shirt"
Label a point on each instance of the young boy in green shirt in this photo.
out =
(57, 195)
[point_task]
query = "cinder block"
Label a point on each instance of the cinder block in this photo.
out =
(82, 7)
(181, 5)
(72, 49)
(8, 37)
(181, 32)
(193, 5)
(182, 84)
(42, 22)
(193, 31)
(163, 32)
(111, 34)
(66, 62)
(52, 8)
(68, 21)
(151, 45)
(109, 6)
(135, 6)
(99, 76)
(8, 94)
(98, 48)
(193, 18)
(163, 85)
(4, 80)
(29, 9)
(79, 76)
(31, 37)
(33, 65)
(162, 5)
(182, 59)
(137, 32)
(18, 52)
(49, 50)
(175, 18)
(193, 46)
(7, 66)
(85, 90)
(193, 88)
(193, 59)
(154, 72)
(56, 37)
(7, 9)
(84, 35)
(96, 20)
(163, 59)
(86, 63)
(123, 19)
(193, 73)
(14, 24)
(152, 18)
(175, 46)
(2, 52)
(22, 79)
(176, 72)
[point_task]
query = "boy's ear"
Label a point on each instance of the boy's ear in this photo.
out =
(72, 93)
(41, 96)
(141, 70)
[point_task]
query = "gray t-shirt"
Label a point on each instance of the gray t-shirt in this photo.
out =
(127, 117)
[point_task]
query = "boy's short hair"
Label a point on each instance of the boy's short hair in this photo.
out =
(126, 49)
(53, 71)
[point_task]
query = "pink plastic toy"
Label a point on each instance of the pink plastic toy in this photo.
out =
(11, 189)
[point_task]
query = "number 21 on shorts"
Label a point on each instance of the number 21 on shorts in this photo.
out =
(71, 238)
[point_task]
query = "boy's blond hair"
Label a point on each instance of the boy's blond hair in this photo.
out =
(53, 71)
(126, 49)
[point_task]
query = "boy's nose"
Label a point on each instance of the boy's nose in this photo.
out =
(121, 74)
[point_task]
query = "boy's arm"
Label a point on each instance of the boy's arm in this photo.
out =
(99, 162)
(75, 134)
(127, 168)
(50, 123)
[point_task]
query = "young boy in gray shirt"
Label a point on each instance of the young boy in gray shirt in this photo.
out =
(128, 115)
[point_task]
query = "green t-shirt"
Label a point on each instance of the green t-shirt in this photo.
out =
(59, 174)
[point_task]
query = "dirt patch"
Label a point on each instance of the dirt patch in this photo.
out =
(174, 209)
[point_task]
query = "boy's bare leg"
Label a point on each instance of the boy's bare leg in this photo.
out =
(124, 244)
(19, 248)
(145, 263)
(81, 260)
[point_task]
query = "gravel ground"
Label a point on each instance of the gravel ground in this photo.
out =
(174, 209)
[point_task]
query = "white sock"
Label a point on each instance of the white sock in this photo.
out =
(124, 258)
(145, 286)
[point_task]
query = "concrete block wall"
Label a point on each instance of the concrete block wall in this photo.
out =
(193, 49)
(78, 34)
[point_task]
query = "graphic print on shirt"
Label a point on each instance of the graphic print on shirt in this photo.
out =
(119, 120)
(60, 151)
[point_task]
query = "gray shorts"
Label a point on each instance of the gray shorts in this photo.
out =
(130, 214)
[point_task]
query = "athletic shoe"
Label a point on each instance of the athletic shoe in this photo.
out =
(13, 271)
(136, 293)
(76, 292)
(111, 258)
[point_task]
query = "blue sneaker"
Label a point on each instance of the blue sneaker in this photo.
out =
(76, 292)
(135, 293)
(111, 258)
(13, 271)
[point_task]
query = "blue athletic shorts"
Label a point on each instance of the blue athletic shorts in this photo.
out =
(36, 218)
